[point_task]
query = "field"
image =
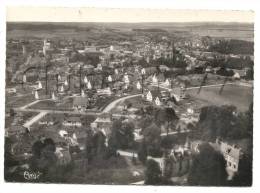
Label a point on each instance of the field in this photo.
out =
(239, 96)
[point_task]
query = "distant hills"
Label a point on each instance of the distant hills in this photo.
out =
(242, 31)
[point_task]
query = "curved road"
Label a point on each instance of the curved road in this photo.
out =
(112, 105)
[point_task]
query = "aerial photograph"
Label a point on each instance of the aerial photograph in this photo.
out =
(129, 103)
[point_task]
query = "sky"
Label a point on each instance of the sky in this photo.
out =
(73, 14)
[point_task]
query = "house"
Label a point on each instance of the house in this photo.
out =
(157, 101)
(102, 123)
(47, 120)
(154, 79)
(138, 85)
(72, 122)
(178, 93)
(164, 68)
(11, 90)
(236, 76)
(63, 156)
(105, 91)
(164, 95)
(231, 154)
(80, 103)
(167, 82)
(14, 130)
(149, 96)
(194, 146)
(156, 96)
(88, 68)
(161, 162)
(177, 162)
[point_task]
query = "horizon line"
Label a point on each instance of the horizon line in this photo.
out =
(125, 15)
(244, 22)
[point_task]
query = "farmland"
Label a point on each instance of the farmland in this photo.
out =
(239, 96)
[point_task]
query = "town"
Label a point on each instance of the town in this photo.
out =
(127, 105)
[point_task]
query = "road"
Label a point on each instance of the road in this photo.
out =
(33, 103)
(56, 111)
(164, 134)
(107, 109)
(205, 86)
(112, 105)
(34, 119)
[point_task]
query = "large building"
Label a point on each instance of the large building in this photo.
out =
(47, 47)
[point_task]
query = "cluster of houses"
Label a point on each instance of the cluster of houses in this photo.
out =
(179, 158)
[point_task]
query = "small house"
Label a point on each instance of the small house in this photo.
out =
(157, 101)
(231, 154)
(72, 122)
(102, 123)
(80, 103)
(63, 156)
(149, 96)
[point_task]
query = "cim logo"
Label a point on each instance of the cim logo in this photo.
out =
(28, 175)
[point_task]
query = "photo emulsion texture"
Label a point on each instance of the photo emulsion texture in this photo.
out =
(141, 103)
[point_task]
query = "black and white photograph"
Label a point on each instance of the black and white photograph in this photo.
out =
(102, 96)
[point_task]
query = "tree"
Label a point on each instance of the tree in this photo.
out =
(89, 145)
(122, 135)
(225, 122)
(152, 173)
(168, 142)
(250, 117)
(167, 115)
(37, 148)
(98, 141)
(208, 168)
(45, 160)
(128, 105)
(9, 160)
(152, 140)
(224, 72)
(216, 121)
(145, 122)
(142, 152)
(244, 174)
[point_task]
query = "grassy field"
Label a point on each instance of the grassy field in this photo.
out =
(239, 96)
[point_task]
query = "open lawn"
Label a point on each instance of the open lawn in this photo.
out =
(239, 96)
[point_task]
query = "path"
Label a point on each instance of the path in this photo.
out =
(34, 119)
